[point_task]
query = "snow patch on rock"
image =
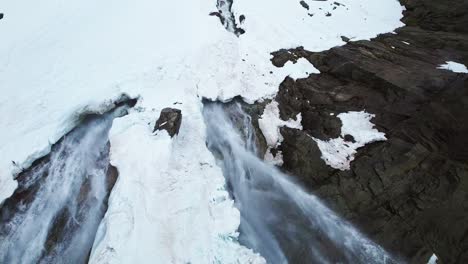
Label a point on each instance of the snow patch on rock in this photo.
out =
(270, 124)
(276, 159)
(454, 67)
(300, 69)
(337, 152)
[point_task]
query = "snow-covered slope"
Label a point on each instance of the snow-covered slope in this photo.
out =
(62, 58)
(168, 205)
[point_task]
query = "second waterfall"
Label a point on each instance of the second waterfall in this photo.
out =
(279, 220)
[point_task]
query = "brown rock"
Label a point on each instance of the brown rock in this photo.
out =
(170, 120)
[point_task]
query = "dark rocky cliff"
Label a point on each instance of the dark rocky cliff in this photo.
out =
(409, 193)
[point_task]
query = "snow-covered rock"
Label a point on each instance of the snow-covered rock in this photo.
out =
(356, 132)
(270, 124)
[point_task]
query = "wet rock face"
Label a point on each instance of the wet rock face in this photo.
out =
(170, 120)
(409, 193)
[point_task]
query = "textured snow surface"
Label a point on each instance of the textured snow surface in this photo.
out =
(63, 58)
(453, 66)
(337, 152)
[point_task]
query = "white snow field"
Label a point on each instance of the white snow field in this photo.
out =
(63, 58)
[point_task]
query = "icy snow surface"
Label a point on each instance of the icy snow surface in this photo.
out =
(339, 153)
(63, 58)
(453, 66)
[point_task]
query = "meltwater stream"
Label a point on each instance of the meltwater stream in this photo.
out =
(53, 215)
(279, 219)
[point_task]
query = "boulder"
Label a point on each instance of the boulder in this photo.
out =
(170, 120)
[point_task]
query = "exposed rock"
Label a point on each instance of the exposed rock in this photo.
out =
(1, 15)
(437, 15)
(170, 120)
(304, 4)
(241, 19)
(282, 56)
(409, 193)
(349, 138)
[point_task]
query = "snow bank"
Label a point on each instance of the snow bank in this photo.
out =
(338, 152)
(168, 204)
(62, 58)
(453, 66)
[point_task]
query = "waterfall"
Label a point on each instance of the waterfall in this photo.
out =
(279, 219)
(55, 212)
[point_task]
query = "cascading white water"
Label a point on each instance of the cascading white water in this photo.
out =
(58, 220)
(280, 220)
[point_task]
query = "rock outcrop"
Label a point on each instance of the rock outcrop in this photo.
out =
(170, 120)
(409, 193)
